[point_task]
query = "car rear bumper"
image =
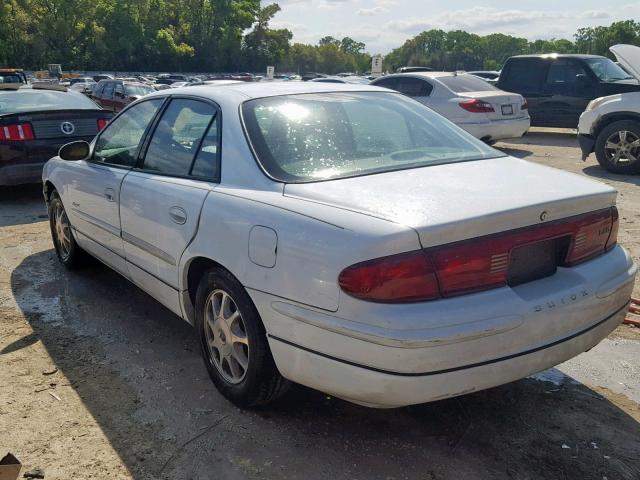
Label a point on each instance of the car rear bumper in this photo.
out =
(587, 144)
(22, 162)
(21, 173)
(476, 342)
(498, 129)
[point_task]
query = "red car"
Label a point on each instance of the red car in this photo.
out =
(114, 95)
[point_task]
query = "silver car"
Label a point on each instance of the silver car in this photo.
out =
(344, 237)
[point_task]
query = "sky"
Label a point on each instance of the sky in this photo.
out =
(385, 24)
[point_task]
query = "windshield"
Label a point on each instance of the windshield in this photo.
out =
(138, 90)
(466, 83)
(33, 100)
(607, 71)
(311, 137)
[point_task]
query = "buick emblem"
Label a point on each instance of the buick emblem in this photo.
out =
(67, 128)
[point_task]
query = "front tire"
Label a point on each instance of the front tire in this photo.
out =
(67, 250)
(618, 147)
(234, 342)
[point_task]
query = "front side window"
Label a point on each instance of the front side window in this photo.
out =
(118, 143)
(607, 70)
(177, 137)
(311, 137)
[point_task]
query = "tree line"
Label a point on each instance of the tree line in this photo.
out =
(235, 35)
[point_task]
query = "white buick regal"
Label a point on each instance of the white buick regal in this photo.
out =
(343, 237)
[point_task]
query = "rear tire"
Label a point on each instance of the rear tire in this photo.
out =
(68, 251)
(618, 147)
(234, 343)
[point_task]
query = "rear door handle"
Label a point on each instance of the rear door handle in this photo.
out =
(178, 215)
(110, 194)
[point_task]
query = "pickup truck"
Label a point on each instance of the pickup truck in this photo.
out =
(558, 88)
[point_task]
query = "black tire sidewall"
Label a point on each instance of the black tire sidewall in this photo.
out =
(261, 366)
(606, 132)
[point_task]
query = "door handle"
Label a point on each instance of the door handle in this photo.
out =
(178, 215)
(110, 194)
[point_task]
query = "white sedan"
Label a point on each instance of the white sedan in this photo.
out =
(483, 110)
(343, 237)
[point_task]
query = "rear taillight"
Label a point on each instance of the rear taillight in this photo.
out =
(102, 122)
(475, 265)
(525, 104)
(476, 106)
(399, 278)
(17, 132)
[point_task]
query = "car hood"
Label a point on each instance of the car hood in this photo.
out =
(457, 201)
(629, 58)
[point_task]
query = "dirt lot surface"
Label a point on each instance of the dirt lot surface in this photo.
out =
(99, 381)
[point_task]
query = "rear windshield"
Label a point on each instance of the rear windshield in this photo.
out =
(10, 78)
(607, 70)
(311, 137)
(138, 90)
(466, 83)
(27, 100)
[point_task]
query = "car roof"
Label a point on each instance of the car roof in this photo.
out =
(559, 55)
(246, 90)
(422, 74)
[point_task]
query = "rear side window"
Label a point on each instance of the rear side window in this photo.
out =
(118, 143)
(409, 86)
(466, 83)
(177, 137)
(524, 75)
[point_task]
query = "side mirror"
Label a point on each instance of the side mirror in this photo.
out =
(79, 150)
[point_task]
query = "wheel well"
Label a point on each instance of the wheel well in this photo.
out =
(614, 117)
(196, 269)
(48, 190)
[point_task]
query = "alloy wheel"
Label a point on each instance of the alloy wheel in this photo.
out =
(63, 231)
(622, 148)
(226, 336)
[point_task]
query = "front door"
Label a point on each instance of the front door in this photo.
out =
(95, 184)
(160, 202)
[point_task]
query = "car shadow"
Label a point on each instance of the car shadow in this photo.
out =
(514, 152)
(546, 137)
(138, 371)
(22, 204)
(599, 172)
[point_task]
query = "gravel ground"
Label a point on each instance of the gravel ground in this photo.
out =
(99, 381)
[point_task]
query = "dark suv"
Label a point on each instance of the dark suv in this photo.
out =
(559, 87)
(114, 95)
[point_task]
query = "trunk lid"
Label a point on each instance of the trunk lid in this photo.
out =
(60, 124)
(458, 201)
(506, 105)
(629, 57)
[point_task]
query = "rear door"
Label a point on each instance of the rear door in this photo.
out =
(526, 76)
(160, 202)
(94, 185)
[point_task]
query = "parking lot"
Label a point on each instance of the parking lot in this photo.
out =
(100, 381)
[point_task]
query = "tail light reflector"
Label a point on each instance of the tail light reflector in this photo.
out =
(17, 132)
(102, 122)
(476, 106)
(475, 265)
(525, 104)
